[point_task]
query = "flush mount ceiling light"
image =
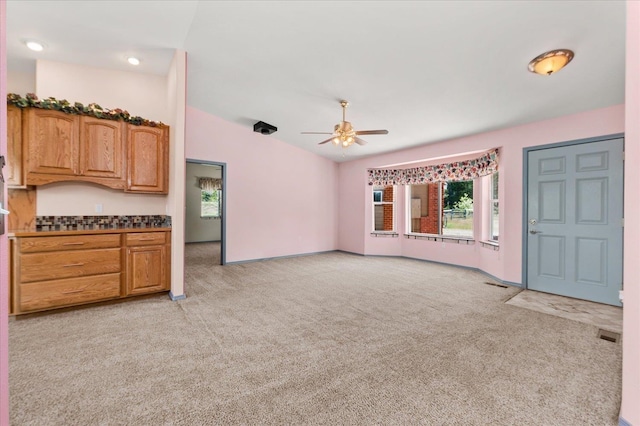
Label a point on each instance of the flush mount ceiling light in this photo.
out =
(550, 62)
(34, 45)
(133, 60)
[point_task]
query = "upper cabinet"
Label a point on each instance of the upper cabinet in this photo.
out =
(52, 143)
(101, 147)
(147, 159)
(15, 171)
(53, 146)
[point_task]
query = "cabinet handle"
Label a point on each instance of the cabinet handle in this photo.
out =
(73, 244)
(147, 239)
(73, 264)
(72, 291)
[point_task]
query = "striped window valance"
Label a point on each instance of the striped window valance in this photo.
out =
(210, 184)
(484, 165)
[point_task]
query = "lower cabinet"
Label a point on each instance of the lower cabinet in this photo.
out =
(146, 263)
(54, 271)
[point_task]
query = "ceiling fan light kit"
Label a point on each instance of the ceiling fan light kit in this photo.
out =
(550, 62)
(264, 128)
(344, 134)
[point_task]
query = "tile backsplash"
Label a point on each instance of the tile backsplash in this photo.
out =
(72, 223)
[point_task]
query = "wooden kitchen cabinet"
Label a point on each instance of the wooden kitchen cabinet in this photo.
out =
(147, 159)
(147, 262)
(52, 143)
(58, 269)
(101, 148)
(53, 272)
(14, 173)
(52, 146)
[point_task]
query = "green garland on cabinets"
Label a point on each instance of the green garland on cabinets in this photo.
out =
(93, 109)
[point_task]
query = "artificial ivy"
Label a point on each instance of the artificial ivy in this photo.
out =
(93, 109)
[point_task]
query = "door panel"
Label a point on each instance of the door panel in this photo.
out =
(574, 219)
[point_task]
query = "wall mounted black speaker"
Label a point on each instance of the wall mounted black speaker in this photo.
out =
(264, 128)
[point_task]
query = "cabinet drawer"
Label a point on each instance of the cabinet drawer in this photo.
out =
(146, 238)
(72, 242)
(70, 291)
(66, 264)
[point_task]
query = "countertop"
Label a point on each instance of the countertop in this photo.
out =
(32, 233)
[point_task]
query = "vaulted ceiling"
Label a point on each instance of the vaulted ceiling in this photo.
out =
(427, 71)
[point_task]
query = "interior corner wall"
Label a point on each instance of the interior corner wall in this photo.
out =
(4, 246)
(356, 204)
(176, 104)
(280, 200)
(140, 94)
(630, 409)
(197, 228)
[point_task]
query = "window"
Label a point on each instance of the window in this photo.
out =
(442, 209)
(494, 211)
(211, 204)
(383, 207)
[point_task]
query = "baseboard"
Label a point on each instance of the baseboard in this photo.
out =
(623, 422)
(509, 283)
(470, 268)
(179, 297)
(289, 256)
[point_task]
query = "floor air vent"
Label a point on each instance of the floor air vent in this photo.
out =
(496, 285)
(609, 336)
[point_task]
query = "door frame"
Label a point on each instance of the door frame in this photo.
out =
(525, 189)
(223, 227)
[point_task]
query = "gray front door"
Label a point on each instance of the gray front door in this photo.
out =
(574, 221)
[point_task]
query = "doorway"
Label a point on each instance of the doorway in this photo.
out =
(205, 211)
(573, 219)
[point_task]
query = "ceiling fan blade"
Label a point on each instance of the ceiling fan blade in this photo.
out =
(372, 132)
(316, 133)
(328, 140)
(359, 141)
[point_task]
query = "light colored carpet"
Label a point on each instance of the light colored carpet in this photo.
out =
(331, 339)
(597, 314)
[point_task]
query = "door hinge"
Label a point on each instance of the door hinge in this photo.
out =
(622, 222)
(623, 155)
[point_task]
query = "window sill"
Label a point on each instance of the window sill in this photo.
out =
(384, 234)
(490, 245)
(457, 240)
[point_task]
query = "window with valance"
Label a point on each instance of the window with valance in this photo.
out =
(440, 196)
(484, 165)
(211, 202)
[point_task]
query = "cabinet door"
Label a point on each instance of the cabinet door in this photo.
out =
(147, 159)
(101, 147)
(52, 140)
(14, 174)
(146, 272)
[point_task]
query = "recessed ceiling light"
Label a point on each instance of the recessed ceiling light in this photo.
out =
(34, 45)
(550, 62)
(133, 60)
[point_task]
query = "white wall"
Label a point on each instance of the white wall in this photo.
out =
(199, 229)
(21, 83)
(176, 103)
(140, 94)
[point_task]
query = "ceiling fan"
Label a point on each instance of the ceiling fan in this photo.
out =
(344, 134)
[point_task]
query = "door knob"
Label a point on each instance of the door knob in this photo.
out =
(533, 231)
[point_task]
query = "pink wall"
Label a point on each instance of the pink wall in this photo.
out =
(280, 200)
(630, 410)
(506, 264)
(4, 273)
